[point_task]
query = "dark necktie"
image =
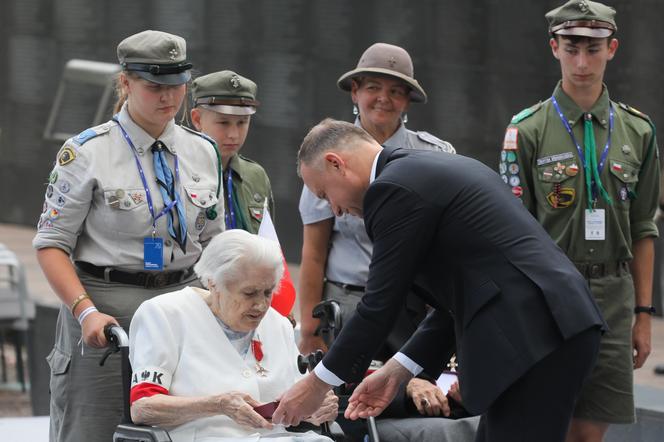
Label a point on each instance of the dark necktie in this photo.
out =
(177, 221)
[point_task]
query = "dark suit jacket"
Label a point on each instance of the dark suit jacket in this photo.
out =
(448, 226)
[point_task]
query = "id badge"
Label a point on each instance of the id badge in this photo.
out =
(595, 225)
(153, 253)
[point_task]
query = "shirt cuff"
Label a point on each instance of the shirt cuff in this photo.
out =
(327, 376)
(408, 363)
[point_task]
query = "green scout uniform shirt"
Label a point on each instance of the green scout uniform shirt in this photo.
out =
(541, 164)
(251, 187)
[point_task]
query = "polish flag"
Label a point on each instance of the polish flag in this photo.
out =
(284, 298)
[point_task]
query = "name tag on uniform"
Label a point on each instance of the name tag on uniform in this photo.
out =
(595, 225)
(153, 253)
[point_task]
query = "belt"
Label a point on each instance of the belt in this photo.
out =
(601, 269)
(349, 287)
(149, 280)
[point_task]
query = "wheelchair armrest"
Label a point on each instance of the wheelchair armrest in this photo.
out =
(140, 433)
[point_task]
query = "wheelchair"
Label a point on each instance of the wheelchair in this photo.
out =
(127, 431)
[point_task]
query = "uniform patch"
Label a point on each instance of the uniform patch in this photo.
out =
(511, 157)
(64, 186)
(49, 191)
(572, 170)
(502, 167)
(53, 177)
(503, 155)
(561, 198)
(60, 201)
(514, 181)
(554, 158)
(200, 220)
(525, 113)
(137, 197)
(517, 191)
(514, 168)
(66, 156)
(504, 178)
(257, 214)
(53, 214)
(510, 141)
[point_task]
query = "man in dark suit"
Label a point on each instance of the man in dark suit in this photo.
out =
(527, 328)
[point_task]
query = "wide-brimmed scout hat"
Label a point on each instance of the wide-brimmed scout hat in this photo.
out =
(386, 59)
(225, 92)
(156, 56)
(583, 18)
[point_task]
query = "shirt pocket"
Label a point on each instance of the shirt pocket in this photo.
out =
(558, 183)
(199, 199)
(625, 177)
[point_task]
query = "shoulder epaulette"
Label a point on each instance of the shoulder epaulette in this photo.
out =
(432, 139)
(92, 132)
(246, 159)
(200, 134)
(526, 113)
(634, 111)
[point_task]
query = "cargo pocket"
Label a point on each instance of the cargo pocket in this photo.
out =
(59, 363)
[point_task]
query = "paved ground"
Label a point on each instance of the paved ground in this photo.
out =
(18, 239)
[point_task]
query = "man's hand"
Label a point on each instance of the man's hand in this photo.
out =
(455, 393)
(302, 400)
(427, 397)
(376, 391)
(641, 339)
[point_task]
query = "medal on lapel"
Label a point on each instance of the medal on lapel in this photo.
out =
(257, 350)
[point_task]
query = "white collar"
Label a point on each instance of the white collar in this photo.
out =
(140, 138)
(372, 177)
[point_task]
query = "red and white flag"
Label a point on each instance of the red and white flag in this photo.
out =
(284, 298)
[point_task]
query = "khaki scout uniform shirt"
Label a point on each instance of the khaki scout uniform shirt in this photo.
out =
(96, 207)
(251, 188)
(539, 161)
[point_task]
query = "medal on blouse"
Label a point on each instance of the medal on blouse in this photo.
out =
(257, 350)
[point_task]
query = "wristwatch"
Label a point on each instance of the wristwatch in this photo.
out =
(649, 309)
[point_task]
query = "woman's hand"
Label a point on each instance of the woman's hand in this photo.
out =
(328, 410)
(428, 398)
(92, 329)
(240, 407)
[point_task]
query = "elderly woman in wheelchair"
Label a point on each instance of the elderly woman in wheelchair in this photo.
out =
(209, 364)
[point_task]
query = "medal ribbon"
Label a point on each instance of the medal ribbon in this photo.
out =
(148, 194)
(592, 169)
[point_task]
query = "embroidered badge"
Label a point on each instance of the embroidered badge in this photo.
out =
(256, 213)
(572, 170)
(510, 141)
(60, 201)
(561, 197)
(137, 197)
(514, 181)
(49, 191)
(511, 157)
(517, 191)
(504, 177)
(502, 167)
(514, 168)
(67, 155)
(65, 186)
(200, 220)
(554, 158)
(53, 177)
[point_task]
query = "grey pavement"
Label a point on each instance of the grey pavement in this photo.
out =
(18, 238)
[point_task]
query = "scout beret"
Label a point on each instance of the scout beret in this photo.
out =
(225, 92)
(385, 59)
(583, 18)
(156, 56)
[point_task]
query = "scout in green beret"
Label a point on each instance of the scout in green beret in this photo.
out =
(223, 105)
(587, 168)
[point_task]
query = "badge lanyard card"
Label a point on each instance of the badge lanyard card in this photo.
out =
(153, 246)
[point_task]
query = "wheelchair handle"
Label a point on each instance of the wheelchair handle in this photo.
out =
(116, 336)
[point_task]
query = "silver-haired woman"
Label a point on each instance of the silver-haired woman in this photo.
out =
(204, 359)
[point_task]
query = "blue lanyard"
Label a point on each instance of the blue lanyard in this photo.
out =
(230, 214)
(602, 160)
(167, 208)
